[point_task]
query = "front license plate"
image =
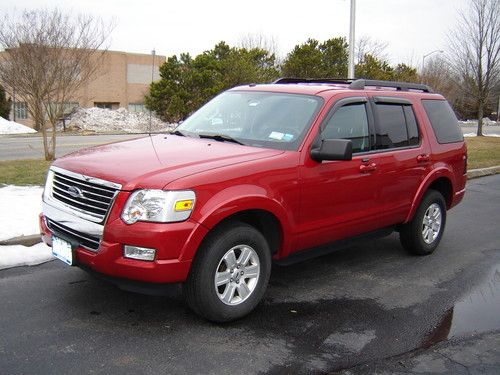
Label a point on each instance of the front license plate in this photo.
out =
(62, 250)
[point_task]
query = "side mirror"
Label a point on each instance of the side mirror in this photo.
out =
(332, 149)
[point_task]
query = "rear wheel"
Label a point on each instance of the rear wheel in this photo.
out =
(423, 233)
(229, 274)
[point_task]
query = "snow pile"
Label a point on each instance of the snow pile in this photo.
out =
(20, 206)
(105, 120)
(486, 135)
(17, 255)
(486, 122)
(11, 127)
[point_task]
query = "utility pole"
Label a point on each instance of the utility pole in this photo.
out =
(352, 40)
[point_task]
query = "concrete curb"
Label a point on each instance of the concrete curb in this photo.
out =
(475, 173)
(34, 239)
(22, 240)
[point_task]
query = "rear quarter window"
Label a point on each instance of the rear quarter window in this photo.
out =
(443, 121)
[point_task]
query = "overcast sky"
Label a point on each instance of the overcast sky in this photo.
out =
(411, 28)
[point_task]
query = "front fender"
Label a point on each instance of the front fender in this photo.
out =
(424, 186)
(235, 199)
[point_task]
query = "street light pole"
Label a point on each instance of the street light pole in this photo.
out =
(352, 39)
(427, 55)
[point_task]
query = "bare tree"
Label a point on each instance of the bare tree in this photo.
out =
(438, 74)
(366, 45)
(475, 53)
(49, 56)
(260, 41)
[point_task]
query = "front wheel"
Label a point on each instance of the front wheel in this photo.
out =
(423, 233)
(229, 274)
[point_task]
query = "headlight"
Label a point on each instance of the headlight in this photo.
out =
(158, 206)
(47, 191)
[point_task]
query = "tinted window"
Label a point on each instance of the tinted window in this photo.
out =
(349, 122)
(260, 119)
(391, 127)
(443, 121)
(411, 126)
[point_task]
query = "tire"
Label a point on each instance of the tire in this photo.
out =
(422, 237)
(237, 295)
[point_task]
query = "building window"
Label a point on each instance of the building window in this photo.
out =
(20, 110)
(107, 105)
(137, 107)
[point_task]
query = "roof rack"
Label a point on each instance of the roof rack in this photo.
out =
(359, 84)
(313, 80)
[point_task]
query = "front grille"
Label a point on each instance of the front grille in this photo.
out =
(83, 239)
(88, 197)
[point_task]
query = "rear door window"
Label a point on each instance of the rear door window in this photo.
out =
(391, 127)
(411, 126)
(443, 121)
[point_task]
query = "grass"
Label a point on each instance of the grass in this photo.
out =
(483, 152)
(23, 172)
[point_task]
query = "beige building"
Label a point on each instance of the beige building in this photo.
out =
(121, 82)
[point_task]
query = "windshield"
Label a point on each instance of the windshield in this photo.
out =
(261, 119)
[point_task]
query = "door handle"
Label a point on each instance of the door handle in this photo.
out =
(365, 168)
(423, 158)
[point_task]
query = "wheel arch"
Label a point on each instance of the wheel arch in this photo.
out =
(441, 181)
(263, 213)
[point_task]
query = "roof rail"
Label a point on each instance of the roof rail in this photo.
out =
(360, 84)
(313, 80)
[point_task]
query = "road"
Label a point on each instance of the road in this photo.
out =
(353, 309)
(487, 130)
(30, 147)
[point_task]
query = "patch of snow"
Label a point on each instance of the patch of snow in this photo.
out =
(105, 120)
(11, 127)
(486, 135)
(20, 206)
(486, 122)
(18, 255)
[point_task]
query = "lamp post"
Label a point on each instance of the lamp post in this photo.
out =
(350, 72)
(427, 55)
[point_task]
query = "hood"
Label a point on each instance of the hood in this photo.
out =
(153, 162)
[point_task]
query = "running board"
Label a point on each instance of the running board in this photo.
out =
(318, 251)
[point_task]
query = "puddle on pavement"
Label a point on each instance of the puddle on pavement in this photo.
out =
(479, 310)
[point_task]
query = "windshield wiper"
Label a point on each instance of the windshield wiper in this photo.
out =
(220, 138)
(177, 132)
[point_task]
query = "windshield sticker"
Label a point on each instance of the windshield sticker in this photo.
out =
(287, 137)
(276, 135)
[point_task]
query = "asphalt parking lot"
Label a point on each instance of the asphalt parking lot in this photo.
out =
(353, 310)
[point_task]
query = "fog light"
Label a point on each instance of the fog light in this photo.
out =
(140, 253)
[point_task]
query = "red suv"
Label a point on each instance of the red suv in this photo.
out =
(260, 173)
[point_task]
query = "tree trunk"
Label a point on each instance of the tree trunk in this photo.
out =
(480, 113)
(53, 143)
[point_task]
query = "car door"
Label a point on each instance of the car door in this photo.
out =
(401, 155)
(338, 198)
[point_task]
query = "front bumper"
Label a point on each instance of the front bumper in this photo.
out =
(175, 244)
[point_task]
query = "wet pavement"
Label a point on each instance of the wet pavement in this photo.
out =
(370, 307)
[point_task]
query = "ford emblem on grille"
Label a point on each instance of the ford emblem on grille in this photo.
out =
(75, 192)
